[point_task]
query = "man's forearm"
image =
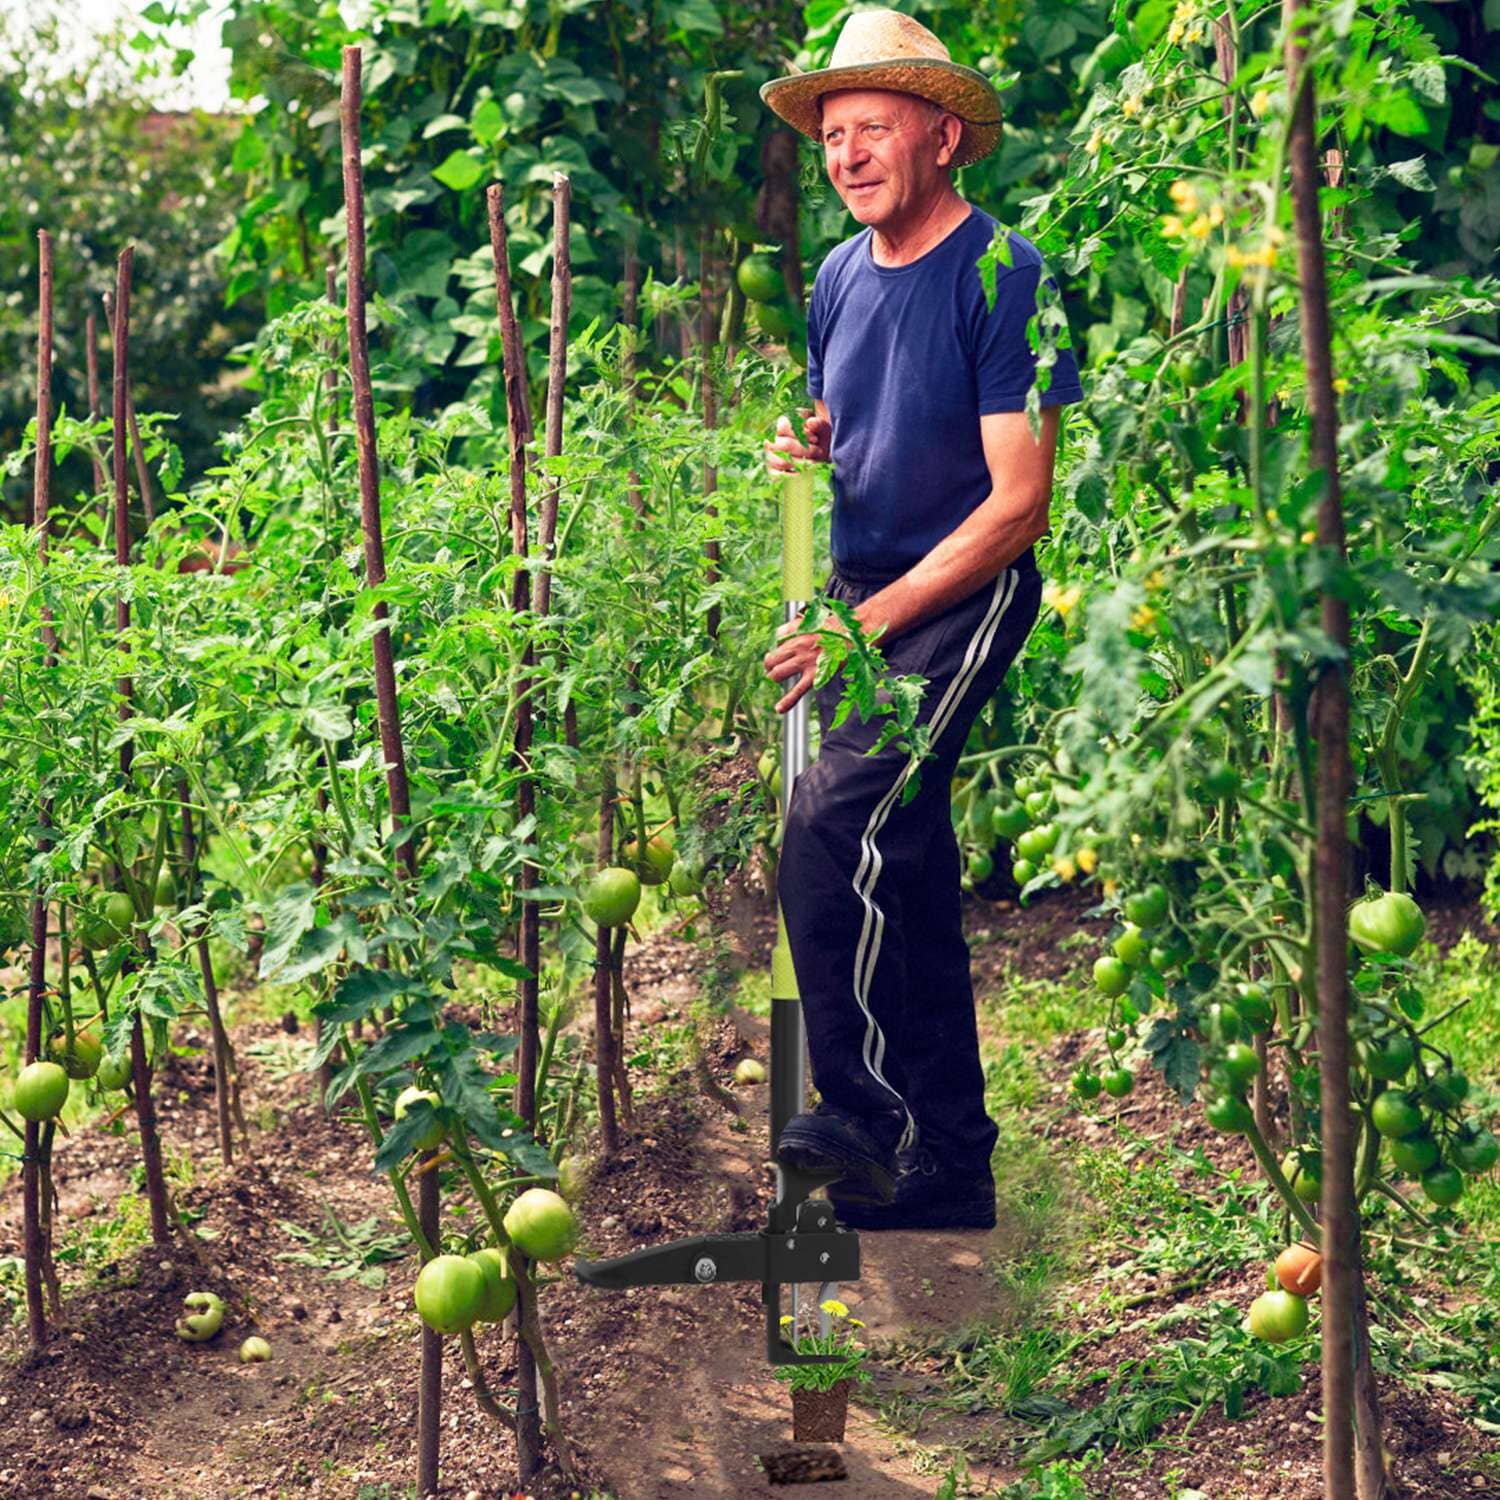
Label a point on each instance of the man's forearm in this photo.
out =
(989, 540)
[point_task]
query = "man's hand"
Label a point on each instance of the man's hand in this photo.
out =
(785, 447)
(795, 653)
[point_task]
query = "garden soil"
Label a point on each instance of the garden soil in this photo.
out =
(666, 1390)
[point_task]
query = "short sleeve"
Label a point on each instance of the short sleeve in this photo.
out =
(815, 344)
(1004, 364)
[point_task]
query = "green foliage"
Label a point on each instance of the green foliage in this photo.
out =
(87, 158)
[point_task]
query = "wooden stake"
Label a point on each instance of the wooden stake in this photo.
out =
(557, 376)
(389, 712)
(91, 356)
(34, 1238)
(1344, 1315)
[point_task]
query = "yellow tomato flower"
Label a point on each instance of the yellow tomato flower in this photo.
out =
(1157, 580)
(1309, 537)
(1340, 384)
(1144, 617)
(1132, 106)
(1199, 227)
(1185, 196)
(1094, 142)
(1196, 32)
(1175, 33)
(1234, 255)
(1216, 214)
(1171, 226)
(1184, 11)
(1283, 394)
(1260, 102)
(1110, 885)
(1088, 860)
(1064, 867)
(1275, 235)
(1063, 600)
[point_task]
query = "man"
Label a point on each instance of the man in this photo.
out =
(939, 492)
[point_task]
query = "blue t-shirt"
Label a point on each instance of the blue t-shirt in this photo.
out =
(907, 359)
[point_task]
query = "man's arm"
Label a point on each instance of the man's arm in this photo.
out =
(1013, 517)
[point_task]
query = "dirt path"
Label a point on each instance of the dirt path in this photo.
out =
(666, 1391)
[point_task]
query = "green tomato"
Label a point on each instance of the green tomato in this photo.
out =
(1304, 1171)
(612, 896)
(1229, 1113)
(436, 1132)
(1443, 1185)
(41, 1090)
(1117, 1082)
(1111, 976)
(1031, 845)
(449, 1293)
(1023, 872)
(1048, 833)
(1415, 1154)
(1447, 1089)
(981, 866)
(1147, 907)
(1086, 1084)
(1009, 820)
(114, 1073)
(540, 1224)
(657, 865)
(1241, 1063)
(760, 278)
(166, 888)
(1278, 1317)
(1388, 1058)
(1254, 1006)
(1169, 955)
(499, 1285)
(1131, 946)
(1389, 923)
(1474, 1151)
(1114, 1039)
(1038, 803)
(1025, 786)
(1223, 1025)
(204, 1318)
(1396, 1116)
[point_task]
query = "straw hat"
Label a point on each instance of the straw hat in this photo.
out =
(883, 49)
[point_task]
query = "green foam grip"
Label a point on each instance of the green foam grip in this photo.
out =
(783, 975)
(797, 537)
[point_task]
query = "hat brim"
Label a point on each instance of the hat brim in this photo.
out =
(960, 90)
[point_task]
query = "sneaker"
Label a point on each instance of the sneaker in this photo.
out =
(927, 1196)
(837, 1140)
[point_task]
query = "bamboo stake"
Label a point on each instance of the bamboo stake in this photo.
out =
(604, 1061)
(224, 1063)
(1344, 1314)
(145, 1108)
(429, 1400)
(91, 356)
(33, 1236)
(557, 375)
(528, 1409)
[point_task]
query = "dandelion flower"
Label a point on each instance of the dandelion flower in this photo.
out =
(785, 1319)
(834, 1308)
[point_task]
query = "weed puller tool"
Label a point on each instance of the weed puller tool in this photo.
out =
(801, 1241)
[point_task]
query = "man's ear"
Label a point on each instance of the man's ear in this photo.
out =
(951, 129)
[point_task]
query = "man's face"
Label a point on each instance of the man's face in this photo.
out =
(883, 155)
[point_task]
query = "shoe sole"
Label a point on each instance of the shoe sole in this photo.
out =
(859, 1215)
(865, 1179)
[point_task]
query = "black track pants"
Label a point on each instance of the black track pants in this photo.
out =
(870, 889)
